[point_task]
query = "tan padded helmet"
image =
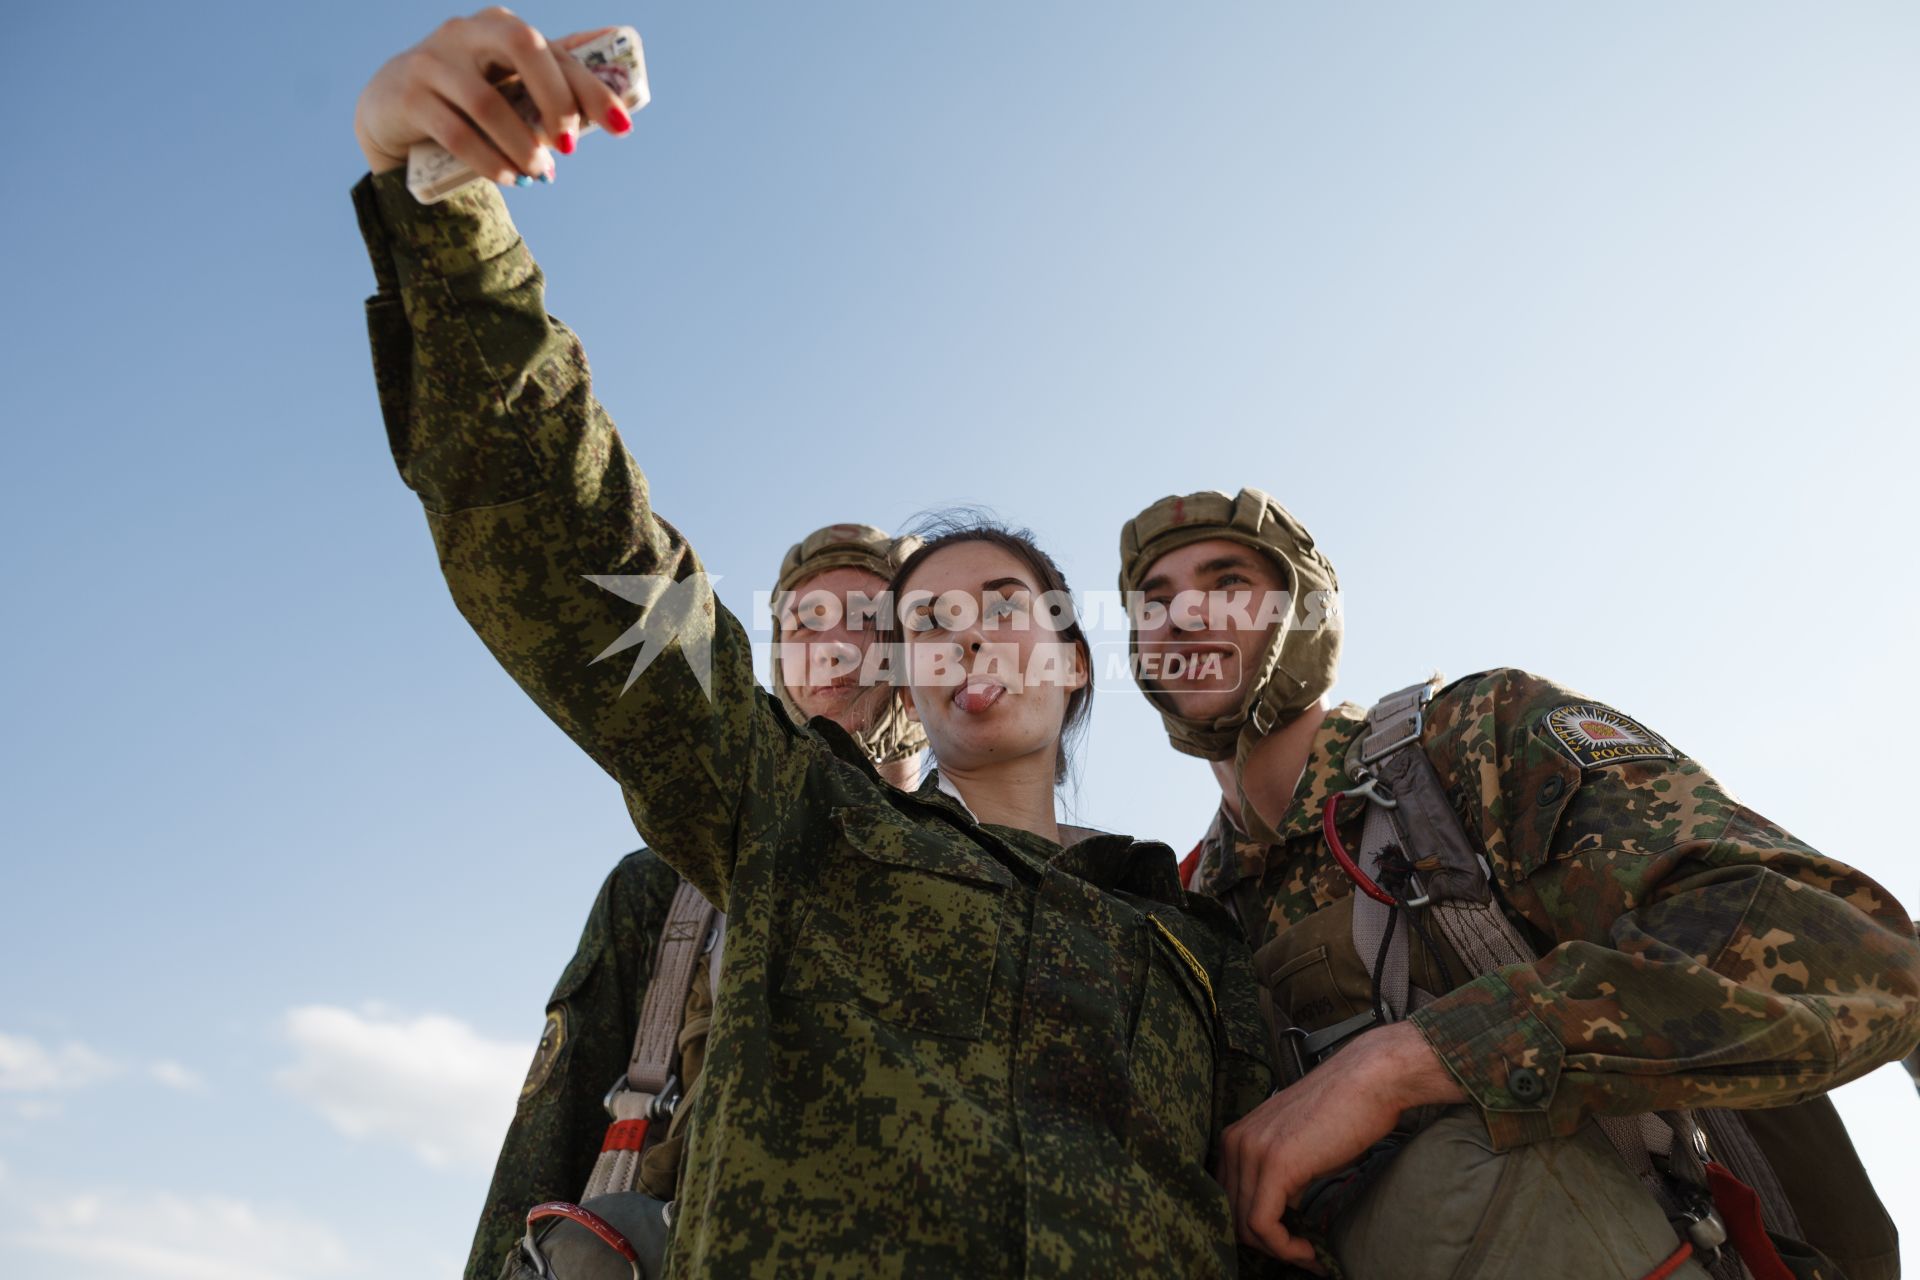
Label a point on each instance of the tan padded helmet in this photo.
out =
(892, 736)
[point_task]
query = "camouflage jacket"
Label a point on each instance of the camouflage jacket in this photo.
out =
(939, 1047)
(1693, 953)
(592, 1017)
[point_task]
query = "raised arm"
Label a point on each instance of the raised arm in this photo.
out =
(528, 490)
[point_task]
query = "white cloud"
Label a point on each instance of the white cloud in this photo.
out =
(30, 1067)
(168, 1236)
(27, 1066)
(430, 1082)
(175, 1076)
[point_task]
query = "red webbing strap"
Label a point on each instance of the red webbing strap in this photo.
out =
(1739, 1206)
(625, 1135)
(682, 939)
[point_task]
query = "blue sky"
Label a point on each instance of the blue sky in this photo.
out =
(1581, 338)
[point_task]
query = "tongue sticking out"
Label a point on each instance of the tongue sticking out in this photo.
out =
(977, 695)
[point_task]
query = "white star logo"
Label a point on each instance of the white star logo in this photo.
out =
(672, 613)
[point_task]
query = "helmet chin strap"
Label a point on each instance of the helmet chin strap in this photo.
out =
(888, 733)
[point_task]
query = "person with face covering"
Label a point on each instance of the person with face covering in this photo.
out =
(950, 1037)
(561, 1121)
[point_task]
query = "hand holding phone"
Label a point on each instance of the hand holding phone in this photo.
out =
(492, 95)
(612, 55)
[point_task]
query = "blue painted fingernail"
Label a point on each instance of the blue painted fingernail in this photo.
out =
(522, 180)
(547, 177)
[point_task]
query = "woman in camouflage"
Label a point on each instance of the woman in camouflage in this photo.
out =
(949, 1038)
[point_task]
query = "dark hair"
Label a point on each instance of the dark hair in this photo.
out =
(951, 528)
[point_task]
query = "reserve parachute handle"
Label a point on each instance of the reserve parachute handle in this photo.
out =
(603, 1230)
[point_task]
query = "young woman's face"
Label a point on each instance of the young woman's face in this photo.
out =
(988, 674)
(826, 629)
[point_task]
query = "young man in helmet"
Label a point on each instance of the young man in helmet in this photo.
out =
(1634, 941)
(822, 630)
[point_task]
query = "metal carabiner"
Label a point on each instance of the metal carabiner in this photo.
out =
(1706, 1231)
(1374, 791)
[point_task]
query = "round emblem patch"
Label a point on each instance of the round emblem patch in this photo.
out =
(553, 1037)
(1595, 735)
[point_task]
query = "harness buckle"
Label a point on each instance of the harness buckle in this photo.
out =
(659, 1107)
(666, 1101)
(1415, 721)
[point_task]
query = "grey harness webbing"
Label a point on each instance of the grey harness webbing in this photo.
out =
(1408, 815)
(1372, 918)
(645, 1092)
(1454, 885)
(683, 940)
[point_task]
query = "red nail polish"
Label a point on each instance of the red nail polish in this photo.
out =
(618, 120)
(564, 143)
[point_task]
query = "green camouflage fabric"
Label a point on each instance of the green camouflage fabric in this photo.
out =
(557, 1126)
(939, 1047)
(1693, 953)
(552, 1143)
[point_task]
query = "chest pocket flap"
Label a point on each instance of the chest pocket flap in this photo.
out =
(885, 836)
(903, 925)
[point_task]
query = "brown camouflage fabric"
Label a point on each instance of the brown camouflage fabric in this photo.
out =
(1693, 953)
(557, 1126)
(939, 1047)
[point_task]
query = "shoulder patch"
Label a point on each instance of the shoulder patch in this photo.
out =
(1596, 736)
(553, 1037)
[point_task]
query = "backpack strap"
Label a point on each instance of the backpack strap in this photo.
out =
(1397, 811)
(648, 1091)
(1411, 829)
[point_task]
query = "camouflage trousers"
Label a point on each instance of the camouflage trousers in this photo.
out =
(1450, 1207)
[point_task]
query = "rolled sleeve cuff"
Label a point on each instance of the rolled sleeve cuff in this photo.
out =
(1505, 1058)
(408, 241)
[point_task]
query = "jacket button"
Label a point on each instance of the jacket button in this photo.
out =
(1525, 1084)
(1551, 789)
